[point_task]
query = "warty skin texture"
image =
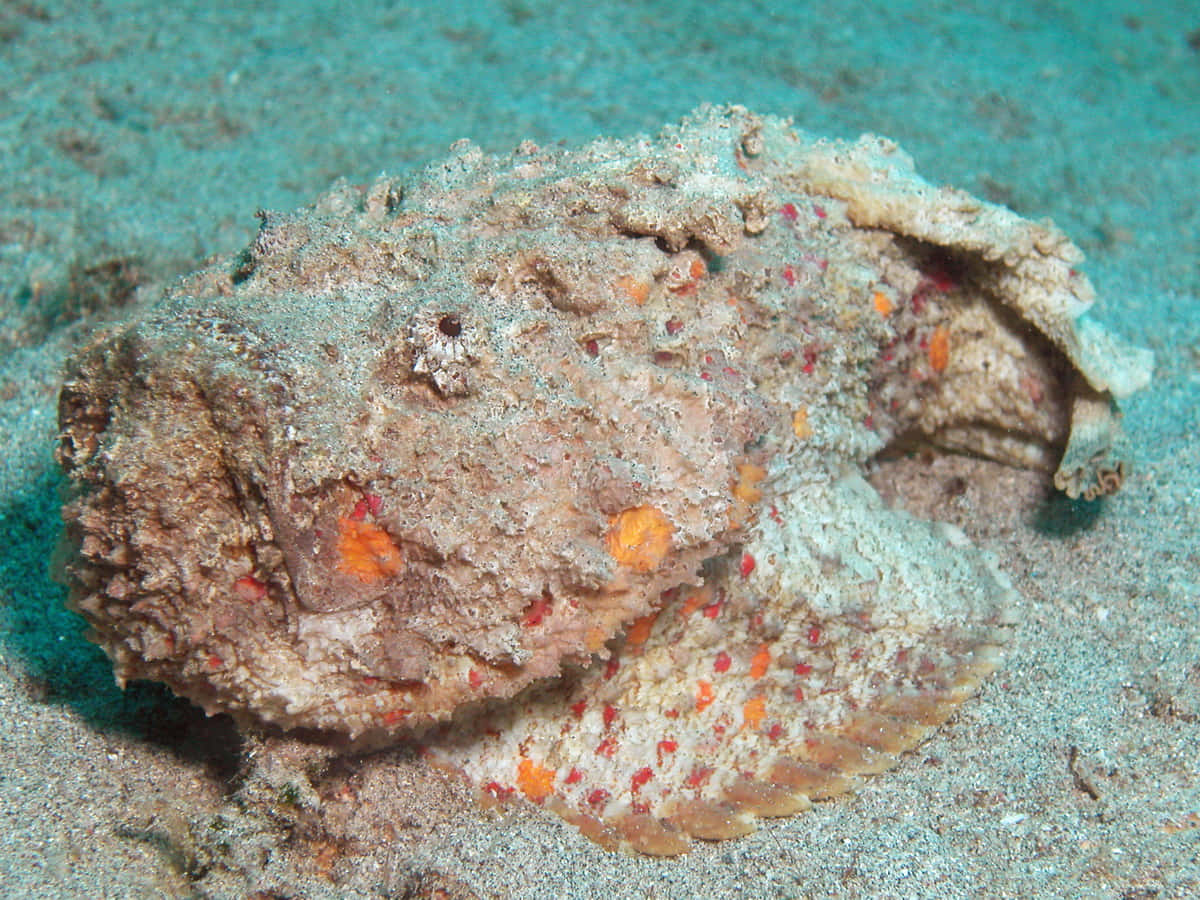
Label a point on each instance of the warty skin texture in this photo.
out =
(425, 445)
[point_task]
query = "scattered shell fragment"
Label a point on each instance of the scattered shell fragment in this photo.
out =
(550, 463)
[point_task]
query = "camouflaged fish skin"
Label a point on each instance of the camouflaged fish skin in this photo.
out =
(433, 441)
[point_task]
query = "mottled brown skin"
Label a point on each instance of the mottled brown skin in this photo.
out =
(368, 470)
(229, 434)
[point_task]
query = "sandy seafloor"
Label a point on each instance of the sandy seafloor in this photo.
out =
(137, 139)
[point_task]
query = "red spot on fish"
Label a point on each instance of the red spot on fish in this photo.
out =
(573, 777)
(598, 798)
(712, 610)
(814, 634)
(639, 779)
(537, 610)
(789, 212)
(941, 280)
(498, 791)
(747, 565)
(789, 275)
(249, 588)
(722, 662)
(666, 747)
(610, 715)
(810, 360)
(819, 211)
(611, 667)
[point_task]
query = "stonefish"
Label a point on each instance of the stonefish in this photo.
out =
(551, 462)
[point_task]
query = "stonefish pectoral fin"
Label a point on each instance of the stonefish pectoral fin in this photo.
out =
(834, 639)
(551, 462)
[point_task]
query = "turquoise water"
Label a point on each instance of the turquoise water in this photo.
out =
(139, 140)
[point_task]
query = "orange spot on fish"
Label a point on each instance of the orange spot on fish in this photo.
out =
(760, 662)
(939, 349)
(753, 711)
(637, 291)
(693, 602)
(883, 304)
(639, 538)
(800, 427)
(745, 488)
(366, 551)
(639, 631)
(536, 782)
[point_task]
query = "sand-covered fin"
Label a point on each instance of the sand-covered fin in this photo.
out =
(1094, 463)
(1029, 267)
(834, 640)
